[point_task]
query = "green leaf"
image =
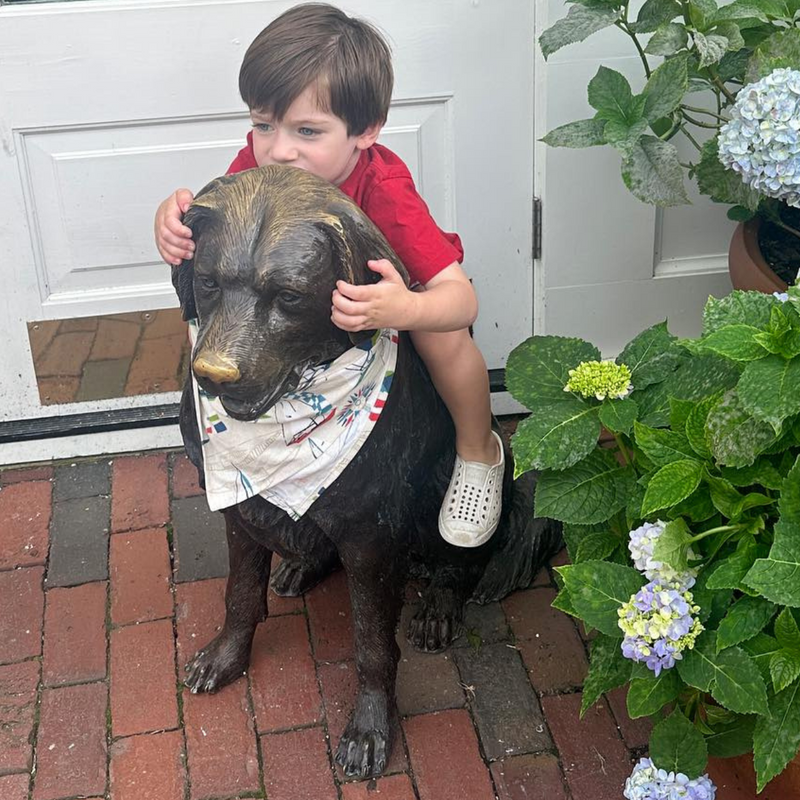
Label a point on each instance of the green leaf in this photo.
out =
(563, 602)
(782, 49)
(592, 490)
(770, 389)
(710, 48)
(761, 649)
(761, 472)
(647, 696)
(789, 505)
(749, 308)
(697, 377)
(597, 546)
(786, 631)
(671, 484)
(725, 497)
(745, 618)
(667, 40)
(697, 506)
(729, 572)
(736, 437)
(556, 436)
(713, 602)
(677, 746)
(696, 426)
(778, 576)
(733, 739)
(654, 405)
(654, 13)
(598, 589)
(776, 738)
(665, 88)
(701, 12)
(575, 534)
(608, 669)
(579, 23)
(538, 369)
(784, 668)
(720, 184)
(672, 545)
(740, 214)
(735, 342)
(730, 30)
(739, 11)
(623, 135)
(679, 411)
(609, 91)
(618, 416)
(662, 447)
(652, 172)
(652, 356)
(731, 675)
(583, 133)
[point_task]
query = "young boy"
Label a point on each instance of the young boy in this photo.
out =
(318, 85)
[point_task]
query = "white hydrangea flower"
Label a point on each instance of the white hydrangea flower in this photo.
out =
(762, 139)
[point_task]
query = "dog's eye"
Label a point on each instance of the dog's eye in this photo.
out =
(288, 298)
(209, 283)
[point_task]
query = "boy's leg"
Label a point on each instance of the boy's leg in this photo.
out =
(471, 508)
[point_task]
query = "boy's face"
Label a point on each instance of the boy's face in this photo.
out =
(309, 138)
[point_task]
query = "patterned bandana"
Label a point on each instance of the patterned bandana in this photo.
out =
(296, 449)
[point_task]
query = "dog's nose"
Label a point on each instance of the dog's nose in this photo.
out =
(216, 367)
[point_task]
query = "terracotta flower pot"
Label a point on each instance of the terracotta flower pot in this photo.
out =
(746, 265)
(735, 779)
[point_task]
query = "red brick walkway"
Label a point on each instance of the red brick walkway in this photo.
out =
(112, 575)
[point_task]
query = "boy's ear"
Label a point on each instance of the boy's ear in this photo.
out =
(368, 137)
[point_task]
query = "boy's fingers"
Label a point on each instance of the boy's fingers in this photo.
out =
(175, 226)
(354, 292)
(345, 304)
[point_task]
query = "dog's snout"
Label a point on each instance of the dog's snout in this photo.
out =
(216, 367)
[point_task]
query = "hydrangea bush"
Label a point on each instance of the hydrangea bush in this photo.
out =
(683, 527)
(706, 66)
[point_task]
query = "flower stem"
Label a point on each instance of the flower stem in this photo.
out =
(714, 530)
(622, 449)
(697, 110)
(697, 122)
(691, 138)
(623, 26)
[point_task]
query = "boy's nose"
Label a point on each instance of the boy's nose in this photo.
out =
(283, 150)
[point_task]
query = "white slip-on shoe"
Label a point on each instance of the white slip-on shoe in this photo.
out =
(472, 504)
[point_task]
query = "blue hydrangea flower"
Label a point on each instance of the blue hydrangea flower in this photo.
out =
(641, 544)
(647, 782)
(761, 141)
(659, 623)
(782, 296)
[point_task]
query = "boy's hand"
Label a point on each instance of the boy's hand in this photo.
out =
(173, 238)
(386, 304)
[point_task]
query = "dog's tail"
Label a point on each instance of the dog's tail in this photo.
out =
(528, 544)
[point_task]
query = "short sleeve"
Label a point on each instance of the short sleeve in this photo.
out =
(395, 206)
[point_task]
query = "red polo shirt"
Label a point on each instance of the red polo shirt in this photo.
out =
(383, 188)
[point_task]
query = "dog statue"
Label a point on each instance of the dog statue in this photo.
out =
(270, 245)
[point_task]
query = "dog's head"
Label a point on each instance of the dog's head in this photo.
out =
(270, 244)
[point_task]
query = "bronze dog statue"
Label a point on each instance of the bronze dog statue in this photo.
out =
(270, 245)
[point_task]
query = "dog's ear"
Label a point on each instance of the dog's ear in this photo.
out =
(196, 216)
(356, 240)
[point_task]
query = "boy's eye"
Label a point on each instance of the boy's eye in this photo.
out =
(307, 131)
(262, 127)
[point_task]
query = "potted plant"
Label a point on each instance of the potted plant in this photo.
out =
(726, 79)
(685, 536)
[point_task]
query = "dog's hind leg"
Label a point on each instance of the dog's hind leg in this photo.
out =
(375, 579)
(440, 617)
(293, 577)
(226, 657)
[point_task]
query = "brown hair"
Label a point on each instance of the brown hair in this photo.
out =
(316, 44)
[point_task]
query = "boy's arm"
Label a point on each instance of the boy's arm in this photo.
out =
(447, 304)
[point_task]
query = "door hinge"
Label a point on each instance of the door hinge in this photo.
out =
(537, 228)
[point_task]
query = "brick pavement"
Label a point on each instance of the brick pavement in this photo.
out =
(106, 592)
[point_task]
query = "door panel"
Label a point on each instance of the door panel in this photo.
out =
(106, 107)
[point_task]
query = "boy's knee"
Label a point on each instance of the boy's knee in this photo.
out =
(441, 345)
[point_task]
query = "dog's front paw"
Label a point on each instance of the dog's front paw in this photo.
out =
(366, 743)
(219, 663)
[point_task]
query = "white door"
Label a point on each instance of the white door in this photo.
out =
(106, 107)
(611, 265)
